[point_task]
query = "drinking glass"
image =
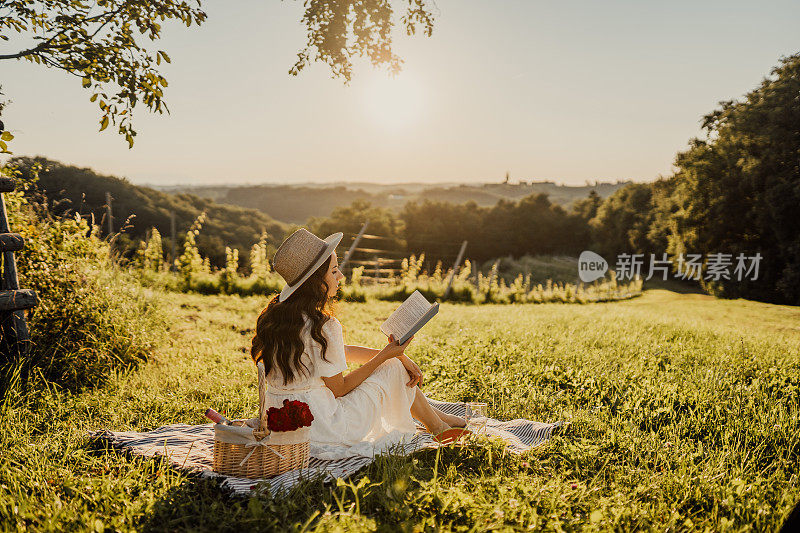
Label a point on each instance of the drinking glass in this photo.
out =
(476, 416)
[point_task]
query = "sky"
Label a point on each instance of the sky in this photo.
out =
(565, 91)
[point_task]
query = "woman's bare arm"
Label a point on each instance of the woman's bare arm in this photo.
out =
(362, 354)
(359, 354)
(341, 385)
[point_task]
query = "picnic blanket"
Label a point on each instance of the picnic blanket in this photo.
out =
(192, 448)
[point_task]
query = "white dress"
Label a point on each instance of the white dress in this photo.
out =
(368, 420)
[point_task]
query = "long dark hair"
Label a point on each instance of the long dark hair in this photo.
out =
(278, 342)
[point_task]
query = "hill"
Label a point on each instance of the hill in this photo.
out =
(69, 189)
(296, 203)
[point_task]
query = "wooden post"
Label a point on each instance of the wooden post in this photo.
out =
(353, 246)
(15, 338)
(11, 242)
(173, 239)
(377, 269)
(453, 273)
(477, 278)
(108, 214)
(17, 300)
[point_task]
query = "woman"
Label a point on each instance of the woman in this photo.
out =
(301, 344)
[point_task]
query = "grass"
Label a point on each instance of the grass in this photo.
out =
(684, 414)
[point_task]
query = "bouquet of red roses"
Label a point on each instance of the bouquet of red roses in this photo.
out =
(293, 415)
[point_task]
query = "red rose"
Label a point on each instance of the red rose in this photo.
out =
(293, 415)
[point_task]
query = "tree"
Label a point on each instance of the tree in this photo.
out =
(737, 191)
(438, 228)
(623, 221)
(733, 197)
(100, 42)
(586, 208)
(533, 225)
(350, 218)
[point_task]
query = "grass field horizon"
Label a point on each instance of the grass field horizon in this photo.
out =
(683, 410)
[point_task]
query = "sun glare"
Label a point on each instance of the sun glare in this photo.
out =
(394, 102)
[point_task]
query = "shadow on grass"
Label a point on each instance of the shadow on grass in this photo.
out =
(391, 494)
(202, 504)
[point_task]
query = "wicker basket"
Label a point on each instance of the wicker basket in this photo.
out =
(248, 449)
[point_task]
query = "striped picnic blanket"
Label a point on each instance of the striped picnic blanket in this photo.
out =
(192, 448)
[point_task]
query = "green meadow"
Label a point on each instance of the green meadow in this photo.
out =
(683, 409)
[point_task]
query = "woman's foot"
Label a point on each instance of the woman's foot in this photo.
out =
(440, 427)
(453, 420)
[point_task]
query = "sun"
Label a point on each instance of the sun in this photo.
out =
(394, 102)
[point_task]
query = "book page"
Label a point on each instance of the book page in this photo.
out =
(406, 316)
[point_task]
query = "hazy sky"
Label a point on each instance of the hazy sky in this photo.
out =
(567, 91)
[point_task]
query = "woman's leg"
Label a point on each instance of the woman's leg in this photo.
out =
(425, 413)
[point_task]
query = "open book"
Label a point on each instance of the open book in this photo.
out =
(407, 319)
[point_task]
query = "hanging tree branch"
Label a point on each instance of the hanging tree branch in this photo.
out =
(100, 42)
(338, 30)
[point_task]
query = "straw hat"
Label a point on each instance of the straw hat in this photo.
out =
(300, 255)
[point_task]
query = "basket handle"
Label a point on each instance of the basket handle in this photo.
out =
(262, 397)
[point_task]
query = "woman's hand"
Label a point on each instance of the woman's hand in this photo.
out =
(393, 349)
(414, 372)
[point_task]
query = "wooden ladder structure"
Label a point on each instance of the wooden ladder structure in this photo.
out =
(14, 337)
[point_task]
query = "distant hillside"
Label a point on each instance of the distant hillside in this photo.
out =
(295, 203)
(70, 189)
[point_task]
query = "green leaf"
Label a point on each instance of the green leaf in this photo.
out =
(6, 136)
(3, 146)
(104, 123)
(87, 82)
(93, 98)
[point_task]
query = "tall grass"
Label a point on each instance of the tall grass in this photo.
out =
(192, 273)
(469, 285)
(492, 288)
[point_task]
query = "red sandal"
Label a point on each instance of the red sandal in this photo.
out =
(451, 435)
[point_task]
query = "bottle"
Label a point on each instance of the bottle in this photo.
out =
(216, 417)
